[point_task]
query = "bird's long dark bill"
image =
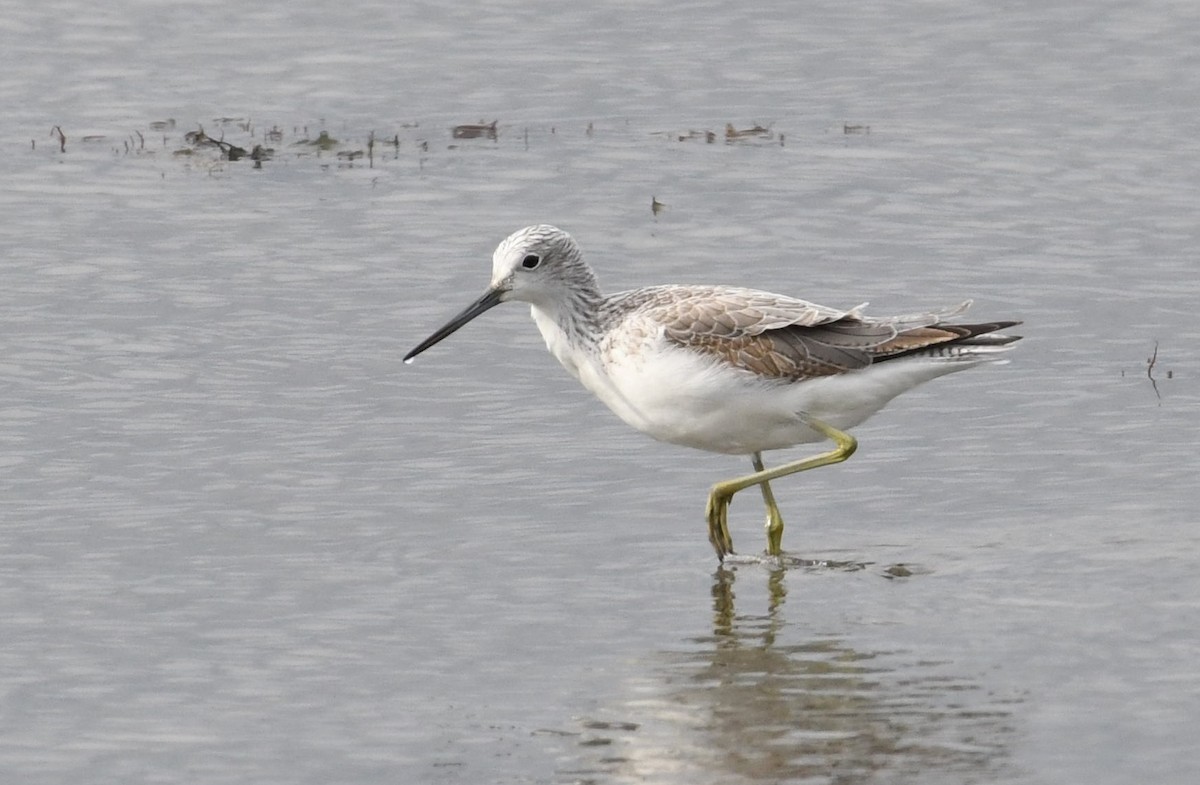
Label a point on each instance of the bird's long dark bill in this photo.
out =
(490, 299)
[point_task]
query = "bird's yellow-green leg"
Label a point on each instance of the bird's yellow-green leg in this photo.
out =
(722, 493)
(774, 519)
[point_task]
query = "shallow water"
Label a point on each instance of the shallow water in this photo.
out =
(239, 541)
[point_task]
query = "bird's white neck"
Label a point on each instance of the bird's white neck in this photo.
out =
(574, 342)
(568, 334)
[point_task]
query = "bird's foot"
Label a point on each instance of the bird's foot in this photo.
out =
(718, 523)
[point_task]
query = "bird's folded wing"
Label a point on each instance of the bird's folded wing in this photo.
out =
(771, 336)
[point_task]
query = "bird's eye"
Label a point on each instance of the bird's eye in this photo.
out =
(531, 261)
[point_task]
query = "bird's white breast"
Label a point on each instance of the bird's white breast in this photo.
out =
(670, 393)
(588, 366)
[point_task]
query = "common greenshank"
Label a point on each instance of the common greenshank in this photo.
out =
(722, 368)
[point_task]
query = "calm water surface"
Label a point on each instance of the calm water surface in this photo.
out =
(239, 542)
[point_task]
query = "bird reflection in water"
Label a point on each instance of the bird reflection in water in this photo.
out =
(748, 705)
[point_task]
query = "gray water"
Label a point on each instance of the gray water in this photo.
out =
(240, 542)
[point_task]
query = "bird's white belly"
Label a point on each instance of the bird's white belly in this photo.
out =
(683, 397)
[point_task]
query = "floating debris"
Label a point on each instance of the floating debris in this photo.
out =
(231, 151)
(323, 141)
(757, 132)
(478, 130)
(733, 135)
(163, 125)
(855, 129)
(200, 139)
(686, 136)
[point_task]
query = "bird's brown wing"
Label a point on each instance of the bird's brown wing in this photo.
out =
(771, 336)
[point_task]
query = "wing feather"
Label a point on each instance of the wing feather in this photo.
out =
(769, 335)
(783, 338)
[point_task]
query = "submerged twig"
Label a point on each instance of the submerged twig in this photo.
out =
(1150, 363)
